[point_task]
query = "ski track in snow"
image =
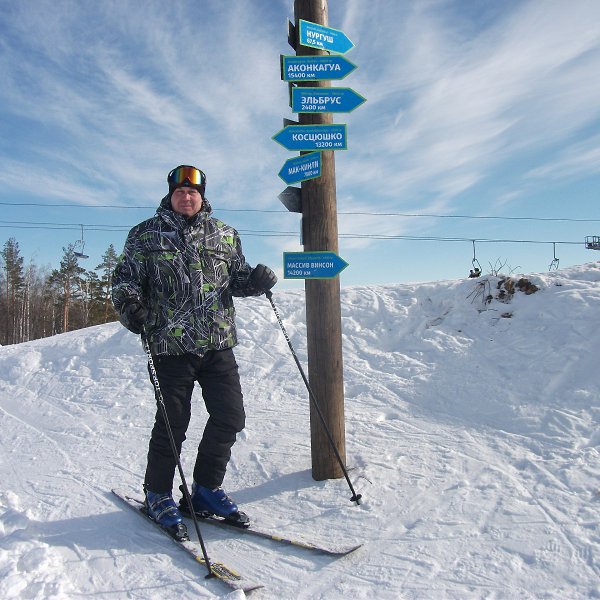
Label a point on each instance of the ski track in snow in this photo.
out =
(472, 431)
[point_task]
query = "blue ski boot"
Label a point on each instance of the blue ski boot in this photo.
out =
(215, 504)
(161, 508)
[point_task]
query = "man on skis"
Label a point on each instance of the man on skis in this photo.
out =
(174, 284)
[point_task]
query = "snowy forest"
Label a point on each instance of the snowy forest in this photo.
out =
(38, 301)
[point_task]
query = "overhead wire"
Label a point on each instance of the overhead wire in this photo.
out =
(351, 213)
(275, 233)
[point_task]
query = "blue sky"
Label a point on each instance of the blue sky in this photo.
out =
(482, 122)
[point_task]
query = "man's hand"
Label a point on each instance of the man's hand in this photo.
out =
(134, 316)
(262, 278)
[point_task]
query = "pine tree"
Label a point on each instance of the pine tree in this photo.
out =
(67, 281)
(109, 261)
(42, 301)
(14, 282)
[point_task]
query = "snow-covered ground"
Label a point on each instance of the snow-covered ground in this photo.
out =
(472, 432)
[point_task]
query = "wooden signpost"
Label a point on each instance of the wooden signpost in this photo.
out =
(318, 60)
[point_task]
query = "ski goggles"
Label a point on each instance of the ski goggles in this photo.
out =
(184, 173)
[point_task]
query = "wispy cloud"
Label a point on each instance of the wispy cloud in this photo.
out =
(120, 96)
(451, 106)
(577, 159)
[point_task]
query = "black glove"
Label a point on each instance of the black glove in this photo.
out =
(262, 278)
(134, 316)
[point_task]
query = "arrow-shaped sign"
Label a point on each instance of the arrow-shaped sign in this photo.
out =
(312, 265)
(318, 99)
(314, 35)
(315, 68)
(313, 137)
(301, 168)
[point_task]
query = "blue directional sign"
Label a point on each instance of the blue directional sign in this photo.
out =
(315, 68)
(301, 168)
(313, 137)
(312, 265)
(314, 35)
(318, 99)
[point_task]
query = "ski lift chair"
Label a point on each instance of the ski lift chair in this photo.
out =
(476, 270)
(81, 245)
(592, 242)
(555, 261)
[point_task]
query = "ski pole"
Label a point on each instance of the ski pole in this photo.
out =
(355, 497)
(161, 402)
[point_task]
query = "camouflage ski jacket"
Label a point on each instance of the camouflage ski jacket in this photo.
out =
(185, 271)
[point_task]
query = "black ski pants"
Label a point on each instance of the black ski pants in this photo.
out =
(217, 374)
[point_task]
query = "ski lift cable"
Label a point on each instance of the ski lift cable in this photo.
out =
(251, 232)
(259, 210)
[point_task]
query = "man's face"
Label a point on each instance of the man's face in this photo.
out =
(186, 201)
